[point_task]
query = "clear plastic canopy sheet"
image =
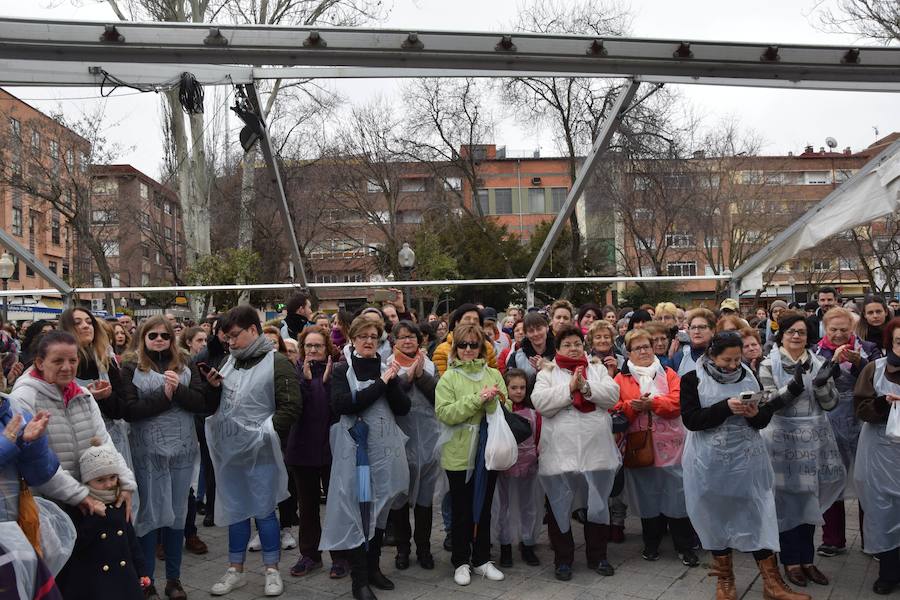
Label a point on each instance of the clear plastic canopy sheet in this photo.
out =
(871, 193)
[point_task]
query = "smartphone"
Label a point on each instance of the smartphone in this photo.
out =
(385, 296)
(204, 368)
(753, 397)
(683, 337)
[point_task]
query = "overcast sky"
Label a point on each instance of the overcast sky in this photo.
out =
(786, 120)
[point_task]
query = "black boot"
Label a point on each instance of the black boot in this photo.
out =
(422, 515)
(398, 521)
(506, 555)
(359, 574)
(529, 556)
(373, 557)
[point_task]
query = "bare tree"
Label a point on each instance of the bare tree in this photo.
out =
(876, 19)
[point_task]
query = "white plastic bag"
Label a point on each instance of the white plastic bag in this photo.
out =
(501, 451)
(892, 431)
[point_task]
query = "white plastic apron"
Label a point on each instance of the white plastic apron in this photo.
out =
(19, 552)
(809, 473)
(728, 479)
(164, 449)
(687, 363)
(659, 490)
(244, 448)
(877, 476)
(343, 528)
(422, 450)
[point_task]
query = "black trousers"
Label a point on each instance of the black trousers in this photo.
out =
(596, 539)
(470, 546)
(365, 561)
(422, 517)
(889, 565)
(308, 481)
(209, 474)
(797, 545)
(681, 529)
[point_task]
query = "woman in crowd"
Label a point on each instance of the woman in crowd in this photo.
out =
(728, 480)
(666, 313)
(577, 451)
(561, 314)
(701, 322)
(537, 347)
(384, 349)
(468, 314)
(163, 447)
(368, 396)
(340, 330)
(649, 398)
(121, 340)
(587, 314)
(31, 339)
(213, 355)
(638, 319)
(730, 323)
(841, 347)
(193, 340)
(465, 394)
(768, 328)
(659, 337)
(601, 336)
(518, 334)
(875, 313)
(809, 474)
(308, 454)
(751, 352)
(418, 379)
(274, 335)
(876, 476)
(259, 401)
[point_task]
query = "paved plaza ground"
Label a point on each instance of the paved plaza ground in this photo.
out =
(852, 574)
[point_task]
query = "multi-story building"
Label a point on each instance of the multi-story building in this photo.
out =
(138, 221)
(42, 160)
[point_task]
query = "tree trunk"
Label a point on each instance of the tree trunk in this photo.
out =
(245, 225)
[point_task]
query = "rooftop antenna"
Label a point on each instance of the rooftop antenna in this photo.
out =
(831, 142)
(875, 129)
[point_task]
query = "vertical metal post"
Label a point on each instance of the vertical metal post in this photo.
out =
(268, 150)
(5, 300)
(581, 181)
(529, 294)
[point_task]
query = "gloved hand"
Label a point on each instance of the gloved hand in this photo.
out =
(796, 386)
(826, 372)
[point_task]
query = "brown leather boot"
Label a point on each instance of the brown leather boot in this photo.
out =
(722, 568)
(774, 587)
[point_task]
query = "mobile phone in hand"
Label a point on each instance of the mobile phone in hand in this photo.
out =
(204, 368)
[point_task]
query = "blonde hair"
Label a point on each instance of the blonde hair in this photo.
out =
(562, 304)
(836, 313)
(667, 308)
(599, 324)
(360, 323)
(635, 334)
(703, 313)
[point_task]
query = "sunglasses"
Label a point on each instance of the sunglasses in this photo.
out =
(155, 334)
(469, 345)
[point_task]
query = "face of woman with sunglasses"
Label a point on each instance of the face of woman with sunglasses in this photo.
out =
(158, 339)
(469, 348)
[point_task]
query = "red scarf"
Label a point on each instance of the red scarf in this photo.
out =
(570, 364)
(72, 390)
(828, 344)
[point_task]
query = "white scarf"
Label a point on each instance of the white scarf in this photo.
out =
(646, 376)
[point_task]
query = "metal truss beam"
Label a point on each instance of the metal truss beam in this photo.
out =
(268, 150)
(181, 43)
(601, 143)
(37, 266)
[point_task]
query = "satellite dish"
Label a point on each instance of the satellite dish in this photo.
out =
(831, 142)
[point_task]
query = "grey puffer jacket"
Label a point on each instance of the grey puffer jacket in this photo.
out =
(70, 429)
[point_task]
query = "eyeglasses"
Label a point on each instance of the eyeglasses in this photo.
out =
(406, 337)
(367, 338)
(156, 334)
(469, 345)
(313, 346)
(234, 336)
(698, 327)
(795, 333)
(641, 349)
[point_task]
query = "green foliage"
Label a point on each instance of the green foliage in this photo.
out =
(648, 293)
(594, 261)
(226, 267)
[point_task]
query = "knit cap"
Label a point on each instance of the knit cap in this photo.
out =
(779, 304)
(98, 460)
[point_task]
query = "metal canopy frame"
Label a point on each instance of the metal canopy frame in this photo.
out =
(48, 52)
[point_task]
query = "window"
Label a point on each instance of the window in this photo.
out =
(15, 273)
(483, 202)
(53, 266)
(558, 198)
(54, 227)
(110, 249)
(412, 185)
(83, 162)
(158, 258)
(536, 201)
(54, 157)
(144, 219)
(410, 216)
(98, 280)
(373, 187)
(682, 268)
(70, 160)
(105, 186)
(35, 141)
(145, 251)
(145, 193)
(167, 207)
(15, 127)
(327, 278)
(167, 233)
(503, 201)
(29, 272)
(479, 153)
(680, 240)
(821, 265)
(848, 263)
(752, 177)
(65, 270)
(104, 216)
(354, 277)
(453, 183)
(817, 177)
(17, 221)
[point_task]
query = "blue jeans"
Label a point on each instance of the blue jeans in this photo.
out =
(172, 541)
(269, 537)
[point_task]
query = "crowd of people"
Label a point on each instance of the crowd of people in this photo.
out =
(725, 431)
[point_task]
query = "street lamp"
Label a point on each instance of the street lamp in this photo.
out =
(6, 271)
(792, 282)
(407, 260)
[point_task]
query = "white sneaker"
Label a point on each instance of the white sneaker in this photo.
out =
(490, 571)
(287, 540)
(231, 580)
(255, 545)
(274, 586)
(461, 576)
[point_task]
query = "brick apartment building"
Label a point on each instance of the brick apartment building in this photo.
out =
(41, 155)
(139, 222)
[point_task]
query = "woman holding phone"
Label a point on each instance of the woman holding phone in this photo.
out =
(728, 480)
